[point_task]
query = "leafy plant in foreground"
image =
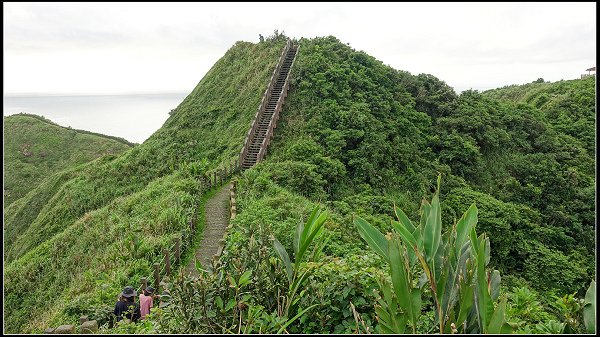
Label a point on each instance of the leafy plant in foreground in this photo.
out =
(453, 264)
(304, 236)
(589, 308)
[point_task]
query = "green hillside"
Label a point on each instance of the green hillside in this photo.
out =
(366, 136)
(197, 136)
(356, 137)
(35, 148)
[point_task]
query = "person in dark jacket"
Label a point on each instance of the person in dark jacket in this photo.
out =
(126, 306)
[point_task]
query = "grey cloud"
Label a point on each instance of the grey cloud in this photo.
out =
(58, 28)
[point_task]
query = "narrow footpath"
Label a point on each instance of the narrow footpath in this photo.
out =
(216, 214)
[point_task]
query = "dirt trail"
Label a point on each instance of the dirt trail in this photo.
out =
(216, 212)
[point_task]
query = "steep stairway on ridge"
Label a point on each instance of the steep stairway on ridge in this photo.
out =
(259, 134)
(216, 208)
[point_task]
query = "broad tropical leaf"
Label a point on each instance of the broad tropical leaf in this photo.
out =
(497, 319)
(432, 231)
(485, 307)
(403, 219)
(495, 284)
(463, 227)
(285, 258)
(307, 228)
(466, 302)
(407, 237)
(316, 229)
(401, 280)
(373, 237)
(589, 308)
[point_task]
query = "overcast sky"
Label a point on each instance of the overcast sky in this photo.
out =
(102, 48)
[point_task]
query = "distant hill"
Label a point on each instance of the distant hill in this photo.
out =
(35, 148)
(569, 106)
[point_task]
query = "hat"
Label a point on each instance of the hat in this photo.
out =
(150, 290)
(128, 292)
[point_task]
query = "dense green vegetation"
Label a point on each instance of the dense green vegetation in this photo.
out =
(356, 138)
(35, 148)
(366, 136)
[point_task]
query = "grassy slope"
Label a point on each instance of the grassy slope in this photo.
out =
(52, 147)
(229, 92)
(113, 196)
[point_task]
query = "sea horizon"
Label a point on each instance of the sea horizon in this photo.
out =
(131, 116)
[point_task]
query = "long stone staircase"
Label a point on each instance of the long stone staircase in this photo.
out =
(261, 132)
(217, 211)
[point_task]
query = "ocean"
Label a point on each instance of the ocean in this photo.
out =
(132, 117)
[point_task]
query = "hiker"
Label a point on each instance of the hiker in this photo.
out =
(126, 305)
(146, 301)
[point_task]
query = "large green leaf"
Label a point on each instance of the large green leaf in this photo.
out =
(373, 237)
(416, 302)
(432, 233)
(451, 290)
(409, 240)
(463, 227)
(443, 273)
(309, 223)
(506, 329)
(316, 229)
(391, 320)
(589, 308)
(283, 255)
(465, 253)
(487, 250)
(401, 279)
(495, 284)
(485, 307)
(497, 319)
(384, 319)
(424, 211)
(406, 235)
(402, 218)
(441, 257)
(319, 246)
(386, 290)
(467, 293)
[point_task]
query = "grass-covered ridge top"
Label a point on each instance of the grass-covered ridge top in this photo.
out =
(35, 148)
(44, 119)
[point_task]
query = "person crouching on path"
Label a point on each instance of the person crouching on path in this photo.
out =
(146, 301)
(126, 305)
